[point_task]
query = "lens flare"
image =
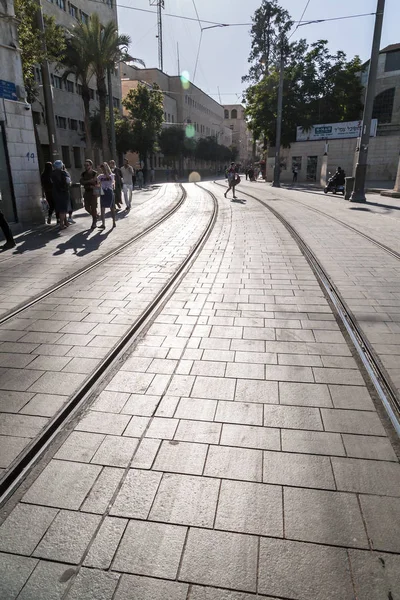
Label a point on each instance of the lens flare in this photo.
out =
(190, 131)
(194, 177)
(185, 80)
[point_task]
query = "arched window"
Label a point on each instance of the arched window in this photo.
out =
(234, 114)
(383, 106)
(226, 114)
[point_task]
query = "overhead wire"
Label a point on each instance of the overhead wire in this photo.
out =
(299, 22)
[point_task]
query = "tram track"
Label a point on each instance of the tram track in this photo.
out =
(29, 457)
(379, 377)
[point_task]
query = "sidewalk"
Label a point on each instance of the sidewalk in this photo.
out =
(236, 454)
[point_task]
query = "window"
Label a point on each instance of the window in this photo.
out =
(56, 81)
(69, 86)
(77, 157)
(61, 122)
(73, 11)
(73, 124)
(36, 117)
(296, 162)
(84, 17)
(392, 62)
(82, 126)
(226, 114)
(234, 114)
(38, 75)
(383, 106)
(169, 118)
(91, 93)
(116, 102)
(79, 89)
(65, 156)
(172, 118)
(231, 127)
(61, 4)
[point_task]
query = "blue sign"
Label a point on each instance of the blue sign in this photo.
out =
(8, 90)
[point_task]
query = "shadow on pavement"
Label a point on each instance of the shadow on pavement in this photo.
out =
(34, 240)
(238, 200)
(81, 244)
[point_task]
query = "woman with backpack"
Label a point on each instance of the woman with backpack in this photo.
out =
(61, 182)
(233, 179)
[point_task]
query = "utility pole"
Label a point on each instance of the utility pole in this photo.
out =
(358, 194)
(48, 92)
(160, 5)
(112, 120)
(277, 170)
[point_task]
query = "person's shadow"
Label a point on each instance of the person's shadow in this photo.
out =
(34, 240)
(239, 200)
(81, 244)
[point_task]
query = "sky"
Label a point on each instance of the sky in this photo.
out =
(223, 56)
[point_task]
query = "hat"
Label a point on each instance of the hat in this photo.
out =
(58, 164)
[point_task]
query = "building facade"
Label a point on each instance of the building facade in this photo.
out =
(234, 118)
(19, 175)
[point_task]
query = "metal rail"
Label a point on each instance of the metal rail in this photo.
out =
(30, 456)
(379, 377)
(22, 307)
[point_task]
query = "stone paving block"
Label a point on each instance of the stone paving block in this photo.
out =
(53, 382)
(294, 335)
(181, 457)
(246, 436)
(250, 508)
(222, 332)
(36, 337)
(62, 484)
(146, 588)
(292, 417)
(137, 426)
(11, 401)
(382, 518)
(196, 408)
(213, 355)
(49, 581)
(146, 453)
(138, 404)
(15, 361)
(68, 536)
(186, 500)
(84, 351)
(312, 442)
(338, 376)
(10, 447)
(248, 345)
(216, 388)
(355, 398)
(158, 386)
(24, 527)
(49, 363)
(299, 360)
(152, 549)
(239, 412)
(288, 373)
(257, 391)
(234, 463)
(198, 431)
(18, 347)
(103, 422)
(352, 421)
(302, 470)
(90, 584)
(18, 379)
(208, 368)
(23, 426)
(136, 495)
(375, 575)
(367, 476)
(167, 406)
(103, 490)
(216, 558)
(208, 593)
(180, 385)
(324, 517)
(321, 573)
(260, 358)
(115, 451)
(339, 362)
(132, 383)
(14, 572)
(81, 365)
(375, 448)
(105, 544)
(162, 428)
(45, 405)
(304, 394)
(80, 446)
(112, 402)
(245, 370)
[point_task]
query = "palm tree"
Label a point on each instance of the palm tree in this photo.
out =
(104, 48)
(78, 64)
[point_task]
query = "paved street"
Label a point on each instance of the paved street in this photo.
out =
(237, 452)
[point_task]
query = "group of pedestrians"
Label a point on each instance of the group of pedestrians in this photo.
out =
(56, 182)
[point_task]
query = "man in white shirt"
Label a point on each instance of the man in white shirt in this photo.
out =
(127, 174)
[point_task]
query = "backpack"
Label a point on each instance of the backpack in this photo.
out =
(59, 179)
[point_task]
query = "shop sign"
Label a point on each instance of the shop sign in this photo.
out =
(334, 131)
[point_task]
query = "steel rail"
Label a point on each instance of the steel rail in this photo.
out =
(26, 305)
(376, 371)
(33, 452)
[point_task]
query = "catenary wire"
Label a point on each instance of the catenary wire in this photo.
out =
(299, 22)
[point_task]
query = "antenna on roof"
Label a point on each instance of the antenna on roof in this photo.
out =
(160, 5)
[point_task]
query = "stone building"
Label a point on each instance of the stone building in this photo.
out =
(234, 118)
(19, 174)
(68, 104)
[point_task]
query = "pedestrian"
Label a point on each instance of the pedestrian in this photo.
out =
(89, 181)
(4, 226)
(61, 182)
(247, 173)
(70, 220)
(167, 174)
(250, 172)
(233, 180)
(140, 178)
(47, 186)
(116, 171)
(152, 175)
(295, 171)
(127, 187)
(106, 181)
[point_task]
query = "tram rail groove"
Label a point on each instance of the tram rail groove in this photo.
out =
(377, 373)
(26, 305)
(35, 450)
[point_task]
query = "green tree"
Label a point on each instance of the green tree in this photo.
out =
(145, 110)
(35, 46)
(172, 143)
(104, 48)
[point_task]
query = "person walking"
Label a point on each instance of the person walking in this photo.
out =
(47, 186)
(106, 181)
(127, 176)
(233, 180)
(70, 220)
(152, 175)
(61, 182)
(295, 171)
(140, 178)
(90, 195)
(4, 226)
(116, 171)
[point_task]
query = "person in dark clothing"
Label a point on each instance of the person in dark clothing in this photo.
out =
(47, 186)
(4, 226)
(89, 181)
(61, 182)
(118, 183)
(339, 176)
